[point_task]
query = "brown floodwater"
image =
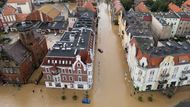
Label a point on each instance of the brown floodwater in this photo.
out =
(110, 88)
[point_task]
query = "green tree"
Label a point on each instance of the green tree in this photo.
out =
(128, 4)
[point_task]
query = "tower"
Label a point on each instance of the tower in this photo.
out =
(26, 34)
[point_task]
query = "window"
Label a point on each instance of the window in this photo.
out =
(70, 71)
(48, 61)
(66, 62)
(64, 78)
(69, 62)
(151, 72)
(150, 79)
(50, 84)
(55, 61)
(70, 78)
(79, 71)
(59, 70)
(63, 62)
(19, 9)
(79, 78)
(59, 61)
(186, 68)
(52, 61)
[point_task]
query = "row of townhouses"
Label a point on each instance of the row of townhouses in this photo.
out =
(69, 64)
(157, 48)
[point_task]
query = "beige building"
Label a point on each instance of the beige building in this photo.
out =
(161, 28)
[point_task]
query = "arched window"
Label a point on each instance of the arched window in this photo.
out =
(48, 77)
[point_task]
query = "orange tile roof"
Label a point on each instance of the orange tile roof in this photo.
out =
(174, 8)
(141, 7)
(9, 10)
(21, 17)
(89, 5)
(18, 1)
(186, 4)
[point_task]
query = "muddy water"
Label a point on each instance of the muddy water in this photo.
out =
(110, 88)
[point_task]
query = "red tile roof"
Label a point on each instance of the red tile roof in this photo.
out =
(174, 8)
(89, 5)
(18, 1)
(21, 17)
(186, 4)
(141, 7)
(9, 10)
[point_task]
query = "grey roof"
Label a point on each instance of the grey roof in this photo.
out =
(149, 42)
(16, 51)
(71, 43)
(164, 47)
(165, 14)
(84, 22)
(52, 25)
(183, 15)
(60, 18)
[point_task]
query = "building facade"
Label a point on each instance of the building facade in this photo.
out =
(20, 59)
(70, 62)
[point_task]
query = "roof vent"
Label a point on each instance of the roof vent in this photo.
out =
(23, 23)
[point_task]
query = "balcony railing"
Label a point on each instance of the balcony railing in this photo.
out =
(183, 78)
(165, 75)
(162, 81)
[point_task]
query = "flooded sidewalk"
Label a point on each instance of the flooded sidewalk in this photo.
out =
(110, 88)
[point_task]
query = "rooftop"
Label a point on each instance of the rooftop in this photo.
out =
(165, 14)
(164, 47)
(49, 10)
(9, 10)
(183, 15)
(141, 7)
(186, 4)
(174, 7)
(72, 43)
(147, 40)
(16, 51)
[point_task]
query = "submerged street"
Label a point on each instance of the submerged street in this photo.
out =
(110, 88)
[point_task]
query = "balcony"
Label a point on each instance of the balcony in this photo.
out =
(165, 75)
(162, 81)
(183, 78)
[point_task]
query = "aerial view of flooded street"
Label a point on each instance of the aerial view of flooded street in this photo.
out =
(112, 86)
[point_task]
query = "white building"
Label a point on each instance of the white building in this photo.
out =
(155, 64)
(22, 6)
(154, 72)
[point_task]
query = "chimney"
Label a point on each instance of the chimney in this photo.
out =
(71, 37)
